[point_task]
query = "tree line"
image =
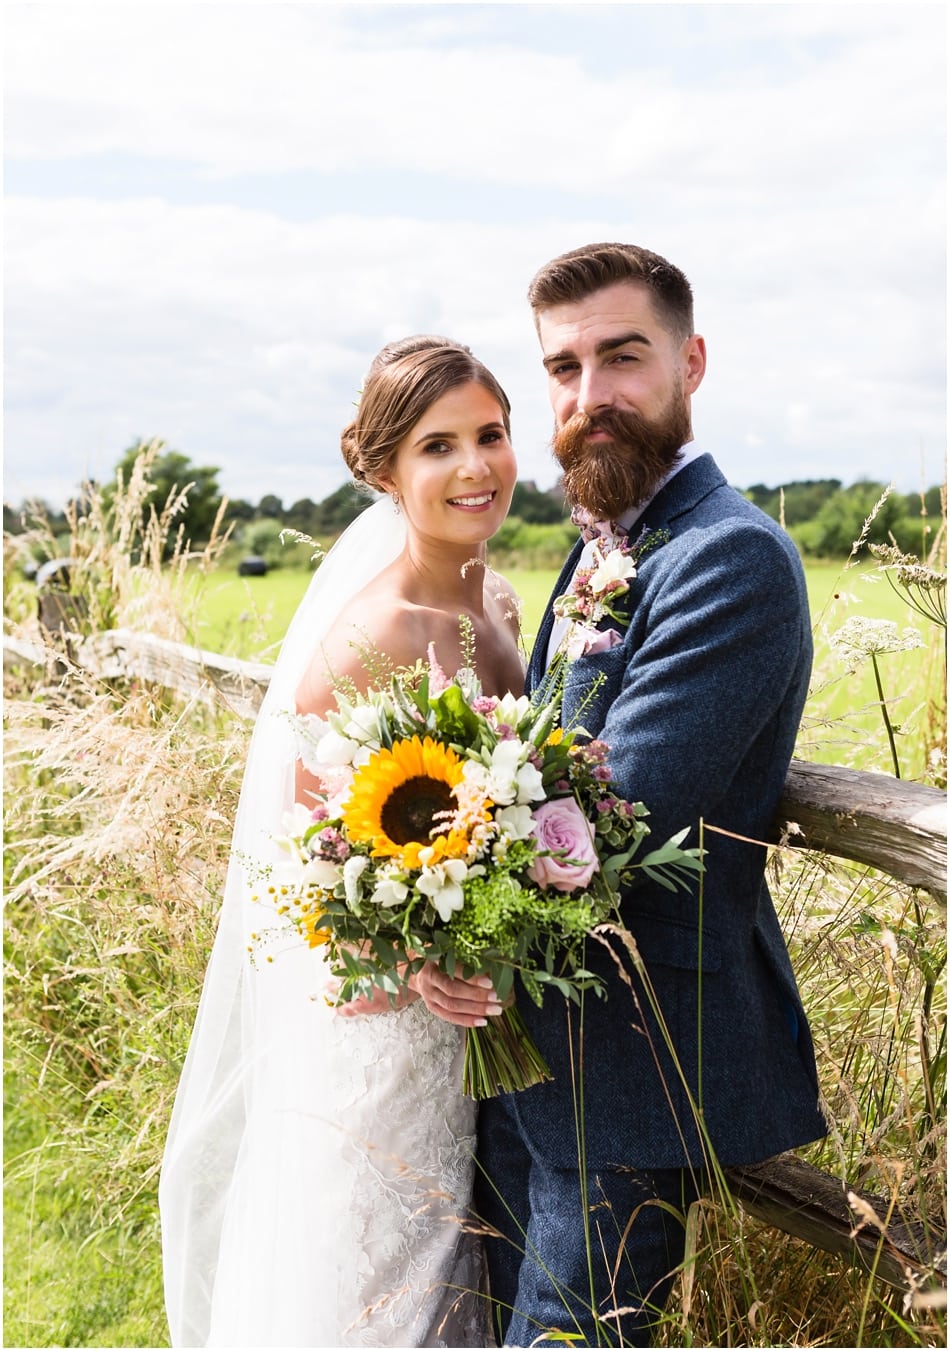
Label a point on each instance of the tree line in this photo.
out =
(823, 516)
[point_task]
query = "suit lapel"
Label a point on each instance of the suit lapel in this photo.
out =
(695, 481)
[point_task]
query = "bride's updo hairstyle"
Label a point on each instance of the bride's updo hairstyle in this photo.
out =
(404, 381)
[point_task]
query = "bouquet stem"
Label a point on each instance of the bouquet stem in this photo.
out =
(501, 1057)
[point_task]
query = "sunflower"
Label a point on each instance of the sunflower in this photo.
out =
(398, 799)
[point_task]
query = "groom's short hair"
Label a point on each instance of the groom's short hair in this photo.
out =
(578, 274)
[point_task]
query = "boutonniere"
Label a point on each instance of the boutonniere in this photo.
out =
(597, 590)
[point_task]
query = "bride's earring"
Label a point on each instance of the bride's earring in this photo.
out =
(396, 502)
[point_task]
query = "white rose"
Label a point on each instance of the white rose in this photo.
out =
(335, 749)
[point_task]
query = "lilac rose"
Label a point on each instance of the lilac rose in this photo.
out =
(562, 827)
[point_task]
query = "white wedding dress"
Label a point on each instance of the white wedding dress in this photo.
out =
(318, 1169)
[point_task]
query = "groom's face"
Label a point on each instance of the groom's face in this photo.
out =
(620, 385)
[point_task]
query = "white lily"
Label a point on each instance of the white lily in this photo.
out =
(391, 889)
(443, 885)
(615, 567)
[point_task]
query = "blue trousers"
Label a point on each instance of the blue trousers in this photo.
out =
(603, 1286)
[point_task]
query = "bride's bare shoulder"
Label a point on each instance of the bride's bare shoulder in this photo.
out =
(378, 621)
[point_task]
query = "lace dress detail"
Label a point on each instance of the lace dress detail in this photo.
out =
(368, 1152)
(410, 1143)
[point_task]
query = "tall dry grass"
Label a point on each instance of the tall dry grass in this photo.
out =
(119, 800)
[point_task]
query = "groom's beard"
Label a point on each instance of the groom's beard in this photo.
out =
(608, 477)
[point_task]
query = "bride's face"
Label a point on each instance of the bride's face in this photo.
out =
(455, 471)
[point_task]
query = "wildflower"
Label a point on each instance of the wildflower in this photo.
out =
(861, 637)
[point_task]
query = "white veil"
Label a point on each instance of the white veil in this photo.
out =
(242, 1155)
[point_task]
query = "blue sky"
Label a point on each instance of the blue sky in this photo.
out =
(216, 213)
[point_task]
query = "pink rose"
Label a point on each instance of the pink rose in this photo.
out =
(562, 827)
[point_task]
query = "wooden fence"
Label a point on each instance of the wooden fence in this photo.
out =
(897, 827)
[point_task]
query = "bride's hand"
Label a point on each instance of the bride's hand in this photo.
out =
(377, 1002)
(467, 1003)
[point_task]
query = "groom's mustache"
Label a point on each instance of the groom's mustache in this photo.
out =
(607, 477)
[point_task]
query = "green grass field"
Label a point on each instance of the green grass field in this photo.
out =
(247, 616)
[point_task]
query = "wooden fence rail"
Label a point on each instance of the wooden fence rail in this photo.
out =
(872, 819)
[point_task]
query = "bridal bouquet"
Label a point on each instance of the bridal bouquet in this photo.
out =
(467, 830)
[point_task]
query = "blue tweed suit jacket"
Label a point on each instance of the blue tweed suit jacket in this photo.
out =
(699, 706)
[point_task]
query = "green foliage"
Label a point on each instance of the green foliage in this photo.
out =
(129, 559)
(528, 545)
(262, 537)
(793, 502)
(538, 508)
(114, 864)
(827, 520)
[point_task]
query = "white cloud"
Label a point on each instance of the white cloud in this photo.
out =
(270, 88)
(789, 157)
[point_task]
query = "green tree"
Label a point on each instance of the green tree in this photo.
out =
(240, 510)
(172, 472)
(793, 502)
(339, 509)
(846, 517)
(535, 507)
(262, 537)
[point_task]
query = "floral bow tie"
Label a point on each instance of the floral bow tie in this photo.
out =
(590, 529)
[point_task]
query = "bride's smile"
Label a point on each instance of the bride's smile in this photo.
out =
(455, 472)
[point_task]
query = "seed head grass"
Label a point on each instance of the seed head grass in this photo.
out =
(119, 801)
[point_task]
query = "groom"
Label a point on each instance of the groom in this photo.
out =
(701, 1051)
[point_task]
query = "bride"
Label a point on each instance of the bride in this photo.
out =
(319, 1164)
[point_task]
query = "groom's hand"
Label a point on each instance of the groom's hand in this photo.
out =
(467, 1003)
